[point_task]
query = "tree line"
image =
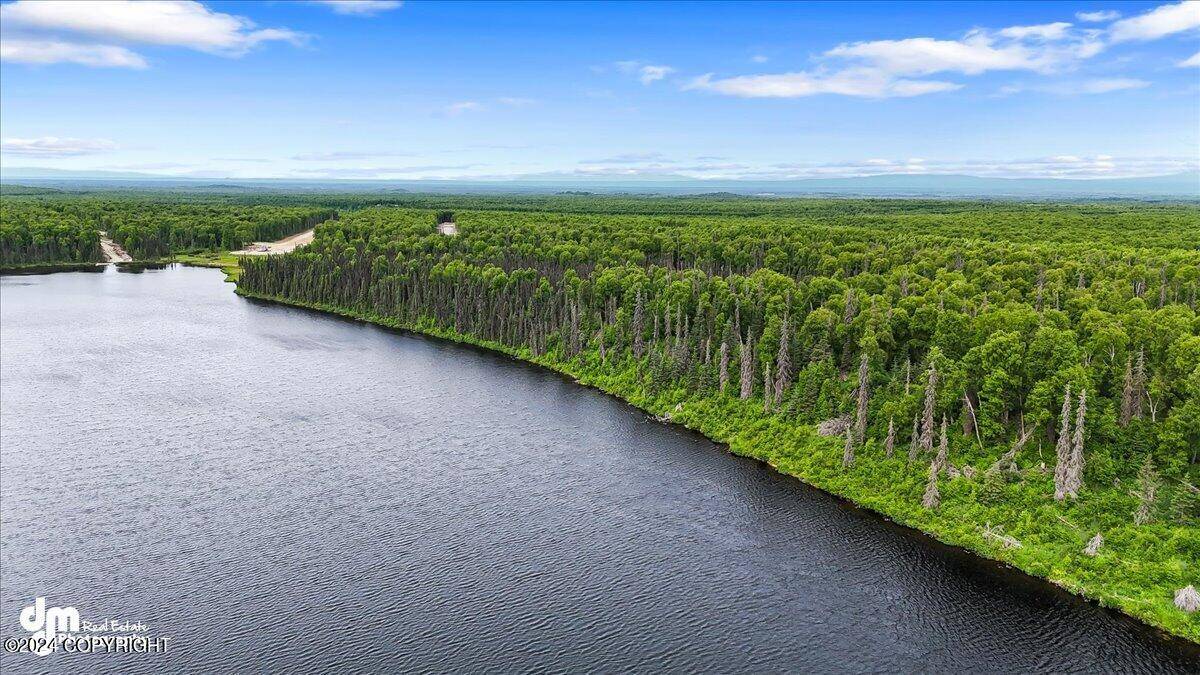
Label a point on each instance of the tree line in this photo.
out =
(63, 228)
(978, 374)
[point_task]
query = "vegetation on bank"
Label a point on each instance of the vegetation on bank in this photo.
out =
(1031, 393)
(1019, 379)
(64, 228)
(34, 234)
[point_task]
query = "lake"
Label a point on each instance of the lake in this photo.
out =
(274, 489)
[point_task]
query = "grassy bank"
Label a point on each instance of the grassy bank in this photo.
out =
(1136, 571)
(225, 261)
(50, 268)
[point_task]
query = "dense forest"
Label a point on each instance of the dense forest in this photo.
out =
(64, 228)
(1023, 380)
(31, 234)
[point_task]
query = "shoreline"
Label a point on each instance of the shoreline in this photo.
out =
(693, 420)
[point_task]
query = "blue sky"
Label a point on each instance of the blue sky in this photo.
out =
(497, 90)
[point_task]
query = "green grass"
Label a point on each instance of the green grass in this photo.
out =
(225, 261)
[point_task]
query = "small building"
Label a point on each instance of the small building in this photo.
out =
(448, 228)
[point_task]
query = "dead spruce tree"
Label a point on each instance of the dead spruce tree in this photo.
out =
(1093, 545)
(768, 395)
(639, 325)
(864, 393)
(747, 370)
(848, 449)
(1127, 394)
(783, 361)
(1147, 492)
(1187, 599)
(723, 369)
(941, 461)
(1075, 466)
(1062, 449)
(930, 401)
(1134, 390)
(932, 498)
(914, 443)
(889, 445)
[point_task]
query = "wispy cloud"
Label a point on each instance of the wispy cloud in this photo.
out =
(630, 158)
(1098, 17)
(858, 82)
(904, 67)
(1157, 23)
(515, 101)
(93, 33)
(1060, 166)
(42, 52)
(1192, 61)
(1078, 87)
(343, 155)
(760, 58)
(646, 73)
(414, 171)
(360, 7)
(53, 146)
(456, 109)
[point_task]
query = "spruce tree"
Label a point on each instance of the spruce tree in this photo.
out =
(1147, 492)
(930, 401)
(860, 412)
(747, 369)
(1062, 448)
(848, 450)
(932, 497)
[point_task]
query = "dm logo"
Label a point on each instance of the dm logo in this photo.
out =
(46, 624)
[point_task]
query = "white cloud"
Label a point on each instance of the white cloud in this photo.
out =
(860, 82)
(631, 158)
(1192, 61)
(515, 101)
(174, 23)
(1098, 17)
(360, 7)
(1077, 88)
(410, 172)
(649, 74)
(1157, 23)
(905, 67)
(1042, 49)
(455, 109)
(1046, 31)
(1105, 85)
(52, 51)
(343, 155)
(759, 58)
(52, 146)
(646, 73)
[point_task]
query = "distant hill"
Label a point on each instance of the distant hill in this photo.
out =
(13, 189)
(1173, 186)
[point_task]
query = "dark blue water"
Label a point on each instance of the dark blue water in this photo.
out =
(278, 490)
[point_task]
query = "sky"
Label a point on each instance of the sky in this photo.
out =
(412, 90)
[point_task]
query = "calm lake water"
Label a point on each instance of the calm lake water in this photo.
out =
(278, 490)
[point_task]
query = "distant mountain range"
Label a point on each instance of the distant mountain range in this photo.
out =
(1173, 186)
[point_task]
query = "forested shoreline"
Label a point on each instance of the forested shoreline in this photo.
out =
(1019, 379)
(52, 230)
(1032, 393)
